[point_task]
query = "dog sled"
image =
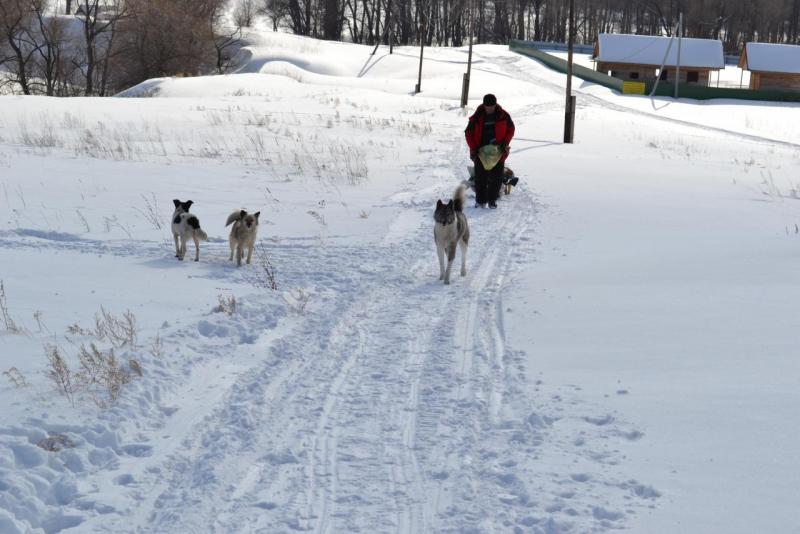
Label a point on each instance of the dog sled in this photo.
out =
(509, 180)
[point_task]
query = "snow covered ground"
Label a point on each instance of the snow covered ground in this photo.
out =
(619, 356)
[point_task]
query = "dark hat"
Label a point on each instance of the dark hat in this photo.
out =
(489, 100)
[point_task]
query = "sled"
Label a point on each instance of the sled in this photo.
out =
(510, 179)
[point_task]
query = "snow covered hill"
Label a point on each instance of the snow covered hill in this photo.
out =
(620, 355)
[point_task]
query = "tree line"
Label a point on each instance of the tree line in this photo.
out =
(97, 47)
(450, 22)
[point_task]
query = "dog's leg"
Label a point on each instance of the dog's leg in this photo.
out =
(440, 254)
(196, 246)
(177, 247)
(182, 247)
(249, 253)
(232, 243)
(451, 256)
(464, 246)
(239, 254)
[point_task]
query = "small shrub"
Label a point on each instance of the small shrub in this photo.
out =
(119, 331)
(101, 375)
(60, 374)
(263, 276)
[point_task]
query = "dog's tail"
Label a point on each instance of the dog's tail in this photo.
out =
(235, 216)
(460, 197)
(194, 223)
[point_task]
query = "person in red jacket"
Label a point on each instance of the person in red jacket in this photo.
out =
(490, 124)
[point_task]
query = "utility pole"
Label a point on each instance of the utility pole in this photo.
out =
(569, 116)
(678, 67)
(391, 29)
(664, 61)
(465, 83)
(422, 33)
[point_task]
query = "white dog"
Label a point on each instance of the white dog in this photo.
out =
(243, 233)
(185, 226)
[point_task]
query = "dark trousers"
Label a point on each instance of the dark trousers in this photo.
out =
(487, 183)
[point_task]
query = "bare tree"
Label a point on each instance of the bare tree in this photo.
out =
(15, 25)
(276, 10)
(227, 36)
(99, 22)
(243, 13)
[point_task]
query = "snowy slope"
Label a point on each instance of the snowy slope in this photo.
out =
(618, 356)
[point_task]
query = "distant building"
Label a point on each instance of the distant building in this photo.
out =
(638, 58)
(101, 10)
(772, 66)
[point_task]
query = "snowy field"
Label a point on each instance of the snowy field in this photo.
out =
(620, 356)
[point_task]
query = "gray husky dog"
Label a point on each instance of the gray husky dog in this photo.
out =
(243, 233)
(450, 230)
(186, 226)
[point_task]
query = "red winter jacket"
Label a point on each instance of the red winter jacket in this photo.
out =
(503, 130)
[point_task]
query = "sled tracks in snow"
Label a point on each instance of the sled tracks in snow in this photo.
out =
(394, 404)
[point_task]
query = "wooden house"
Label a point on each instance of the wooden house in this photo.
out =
(639, 57)
(772, 66)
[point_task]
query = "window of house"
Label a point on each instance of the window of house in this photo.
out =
(663, 76)
(633, 75)
(613, 74)
(692, 76)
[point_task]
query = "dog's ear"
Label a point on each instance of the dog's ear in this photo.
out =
(439, 203)
(256, 214)
(176, 202)
(242, 214)
(188, 205)
(450, 204)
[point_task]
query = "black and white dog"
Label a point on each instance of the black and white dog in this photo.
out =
(186, 226)
(450, 230)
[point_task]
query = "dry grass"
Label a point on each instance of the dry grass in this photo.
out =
(157, 346)
(297, 300)
(55, 442)
(226, 305)
(120, 330)
(9, 323)
(263, 276)
(16, 378)
(100, 375)
(60, 374)
(151, 212)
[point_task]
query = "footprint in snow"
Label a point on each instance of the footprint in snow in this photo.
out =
(600, 420)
